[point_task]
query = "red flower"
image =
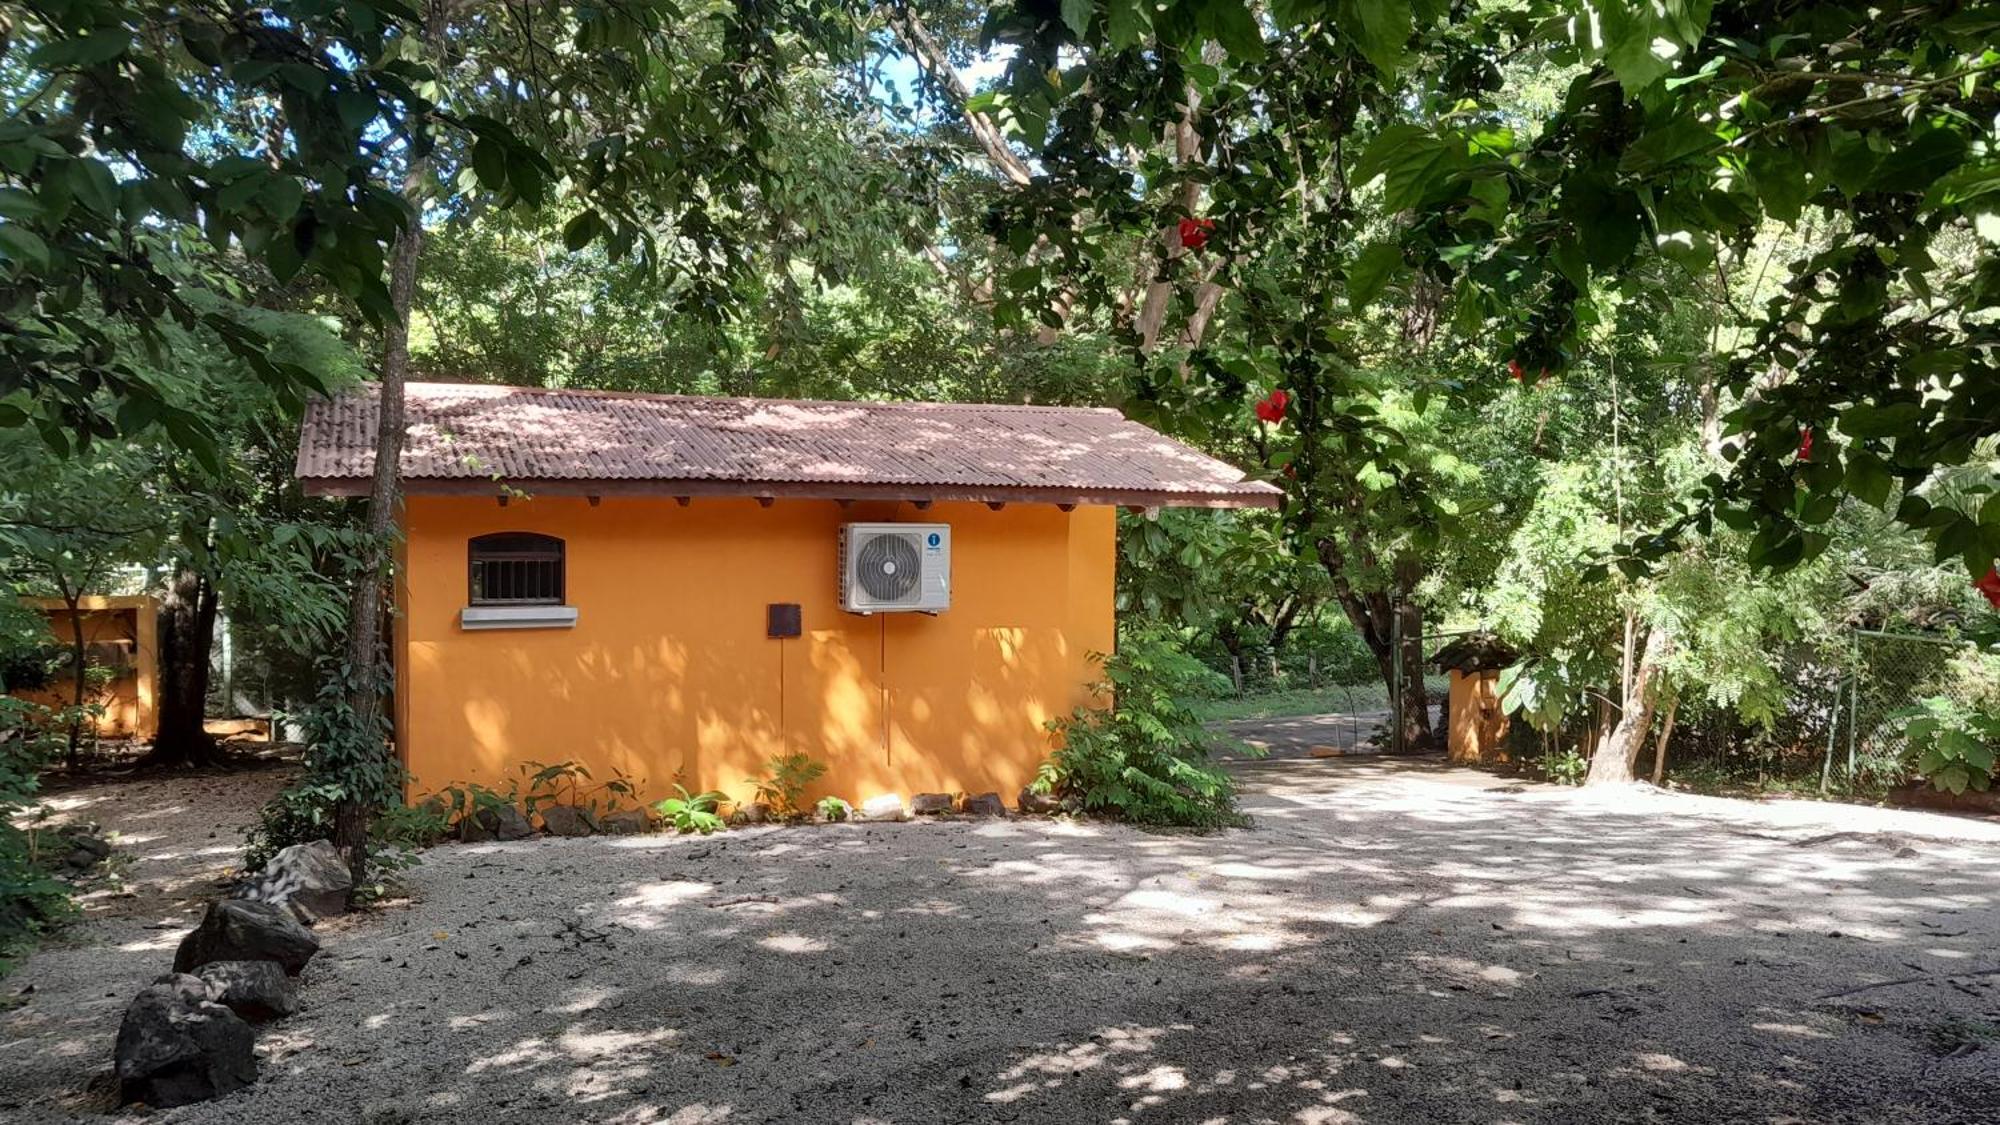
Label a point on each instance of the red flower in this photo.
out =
(1194, 232)
(1271, 408)
(1805, 443)
(1514, 369)
(1990, 586)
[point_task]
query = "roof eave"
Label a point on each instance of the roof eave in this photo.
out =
(1251, 495)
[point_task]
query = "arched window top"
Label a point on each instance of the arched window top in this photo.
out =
(516, 568)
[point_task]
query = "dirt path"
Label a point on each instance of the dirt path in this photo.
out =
(1393, 942)
(1298, 736)
(176, 839)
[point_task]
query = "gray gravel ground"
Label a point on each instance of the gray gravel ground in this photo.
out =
(1394, 942)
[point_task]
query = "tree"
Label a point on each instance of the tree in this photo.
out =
(67, 526)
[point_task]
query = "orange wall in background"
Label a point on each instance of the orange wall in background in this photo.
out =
(668, 675)
(129, 624)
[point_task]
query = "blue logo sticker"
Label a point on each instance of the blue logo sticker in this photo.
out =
(936, 539)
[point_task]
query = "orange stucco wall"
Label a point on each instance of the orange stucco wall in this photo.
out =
(131, 624)
(668, 674)
(1477, 727)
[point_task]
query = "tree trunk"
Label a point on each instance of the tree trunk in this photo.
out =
(187, 638)
(1660, 743)
(353, 811)
(1618, 755)
(80, 676)
(1375, 616)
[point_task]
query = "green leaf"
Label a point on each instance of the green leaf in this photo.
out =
(1076, 16)
(1236, 29)
(1868, 478)
(1410, 160)
(1369, 275)
(1863, 420)
(1125, 23)
(579, 232)
(84, 50)
(21, 246)
(95, 187)
(489, 163)
(1385, 27)
(281, 196)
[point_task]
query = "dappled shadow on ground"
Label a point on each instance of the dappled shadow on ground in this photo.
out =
(175, 837)
(1396, 941)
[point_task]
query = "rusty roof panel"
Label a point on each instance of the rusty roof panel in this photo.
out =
(470, 433)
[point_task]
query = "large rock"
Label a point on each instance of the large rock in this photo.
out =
(256, 990)
(628, 822)
(1034, 802)
(931, 804)
(888, 806)
(503, 823)
(311, 878)
(568, 820)
(177, 1045)
(240, 930)
(986, 804)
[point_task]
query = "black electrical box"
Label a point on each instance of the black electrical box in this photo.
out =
(782, 619)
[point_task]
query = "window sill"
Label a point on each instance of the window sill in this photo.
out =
(478, 617)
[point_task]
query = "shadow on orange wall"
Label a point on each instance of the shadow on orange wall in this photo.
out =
(668, 675)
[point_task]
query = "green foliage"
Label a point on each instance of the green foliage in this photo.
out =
(1680, 135)
(346, 756)
(570, 783)
(296, 815)
(463, 799)
(1566, 766)
(1144, 759)
(834, 809)
(137, 133)
(1952, 746)
(692, 812)
(783, 788)
(409, 828)
(31, 900)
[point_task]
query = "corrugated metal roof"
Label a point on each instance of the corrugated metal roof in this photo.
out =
(469, 437)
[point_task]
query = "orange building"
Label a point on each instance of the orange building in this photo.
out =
(680, 588)
(121, 636)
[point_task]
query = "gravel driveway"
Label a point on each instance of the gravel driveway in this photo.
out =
(1395, 941)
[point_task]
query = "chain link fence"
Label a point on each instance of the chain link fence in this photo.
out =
(1889, 675)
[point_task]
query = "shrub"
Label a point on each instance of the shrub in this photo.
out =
(31, 901)
(1564, 767)
(299, 814)
(1145, 758)
(692, 812)
(833, 809)
(784, 787)
(1952, 745)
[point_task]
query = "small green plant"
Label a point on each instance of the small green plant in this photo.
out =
(1145, 758)
(411, 827)
(834, 809)
(1564, 767)
(297, 815)
(1952, 746)
(461, 799)
(570, 783)
(784, 787)
(692, 812)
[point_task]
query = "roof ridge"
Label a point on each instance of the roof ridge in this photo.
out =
(661, 396)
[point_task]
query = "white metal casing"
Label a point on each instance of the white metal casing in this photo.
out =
(928, 544)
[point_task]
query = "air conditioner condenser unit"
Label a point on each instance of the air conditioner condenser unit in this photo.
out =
(895, 567)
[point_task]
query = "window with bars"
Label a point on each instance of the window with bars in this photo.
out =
(516, 568)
